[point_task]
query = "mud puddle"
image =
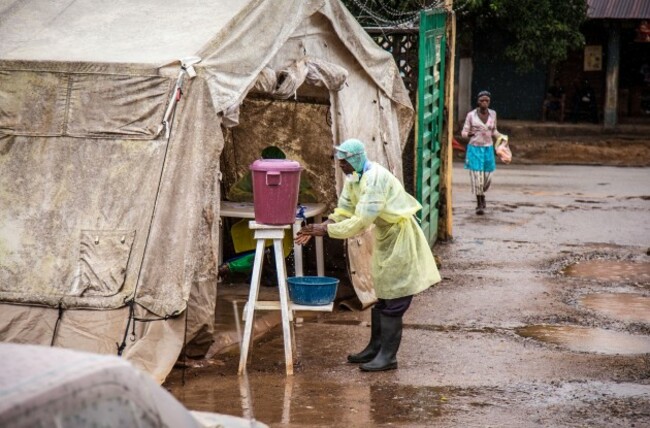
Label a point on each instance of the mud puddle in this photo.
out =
(610, 270)
(304, 400)
(584, 339)
(594, 391)
(623, 306)
(426, 327)
(301, 401)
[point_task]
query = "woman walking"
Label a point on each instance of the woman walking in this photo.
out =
(481, 128)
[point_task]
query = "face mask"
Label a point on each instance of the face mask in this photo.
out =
(352, 178)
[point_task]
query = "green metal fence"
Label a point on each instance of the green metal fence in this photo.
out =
(430, 108)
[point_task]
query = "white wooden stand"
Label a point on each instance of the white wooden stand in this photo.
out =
(247, 210)
(276, 234)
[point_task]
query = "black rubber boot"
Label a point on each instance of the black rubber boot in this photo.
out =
(479, 206)
(373, 346)
(391, 336)
(483, 204)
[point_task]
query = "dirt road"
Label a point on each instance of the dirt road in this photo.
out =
(542, 320)
(614, 150)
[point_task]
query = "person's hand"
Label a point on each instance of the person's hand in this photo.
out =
(302, 239)
(305, 234)
(224, 270)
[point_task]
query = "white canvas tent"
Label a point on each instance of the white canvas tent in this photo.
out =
(112, 119)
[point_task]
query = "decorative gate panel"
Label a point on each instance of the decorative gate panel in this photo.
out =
(430, 109)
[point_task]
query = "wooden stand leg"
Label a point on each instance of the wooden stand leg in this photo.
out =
(250, 307)
(297, 251)
(320, 262)
(284, 304)
(286, 402)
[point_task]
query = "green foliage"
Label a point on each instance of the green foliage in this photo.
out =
(541, 31)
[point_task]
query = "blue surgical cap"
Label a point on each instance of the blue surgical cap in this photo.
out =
(354, 152)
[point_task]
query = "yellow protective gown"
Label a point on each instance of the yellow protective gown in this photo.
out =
(402, 262)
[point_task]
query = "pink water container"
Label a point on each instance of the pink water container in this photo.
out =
(276, 183)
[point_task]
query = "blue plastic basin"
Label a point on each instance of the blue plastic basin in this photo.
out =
(312, 290)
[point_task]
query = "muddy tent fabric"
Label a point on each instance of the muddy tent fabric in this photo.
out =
(110, 138)
(42, 386)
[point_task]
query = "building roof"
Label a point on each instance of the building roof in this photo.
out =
(618, 9)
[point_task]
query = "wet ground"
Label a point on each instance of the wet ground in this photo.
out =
(541, 321)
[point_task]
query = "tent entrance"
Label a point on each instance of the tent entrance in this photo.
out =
(300, 127)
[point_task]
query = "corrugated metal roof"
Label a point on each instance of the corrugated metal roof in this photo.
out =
(618, 9)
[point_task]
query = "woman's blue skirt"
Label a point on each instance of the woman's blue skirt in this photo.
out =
(480, 158)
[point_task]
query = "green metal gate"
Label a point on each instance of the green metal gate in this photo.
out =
(430, 109)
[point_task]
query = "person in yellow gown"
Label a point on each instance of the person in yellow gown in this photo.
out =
(402, 261)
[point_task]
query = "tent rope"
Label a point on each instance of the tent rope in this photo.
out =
(187, 312)
(120, 347)
(56, 325)
(169, 115)
(176, 96)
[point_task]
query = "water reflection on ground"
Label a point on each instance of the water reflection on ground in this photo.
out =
(301, 400)
(623, 306)
(584, 339)
(610, 270)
